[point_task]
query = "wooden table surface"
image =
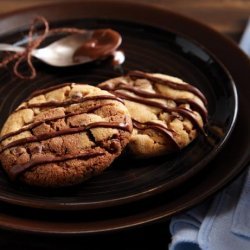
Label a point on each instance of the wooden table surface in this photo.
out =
(226, 16)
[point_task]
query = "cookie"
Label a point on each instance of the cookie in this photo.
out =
(167, 113)
(64, 135)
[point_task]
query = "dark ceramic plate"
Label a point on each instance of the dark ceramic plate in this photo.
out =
(190, 183)
(148, 48)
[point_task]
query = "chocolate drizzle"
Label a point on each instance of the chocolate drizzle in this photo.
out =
(157, 126)
(124, 126)
(36, 124)
(194, 105)
(145, 97)
(185, 112)
(51, 88)
(183, 86)
(69, 102)
(16, 170)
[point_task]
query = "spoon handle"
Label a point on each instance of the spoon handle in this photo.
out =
(9, 47)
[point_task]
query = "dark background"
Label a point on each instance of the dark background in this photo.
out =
(226, 16)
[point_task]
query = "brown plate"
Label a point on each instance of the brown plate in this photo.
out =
(218, 173)
(223, 168)
(151, 46)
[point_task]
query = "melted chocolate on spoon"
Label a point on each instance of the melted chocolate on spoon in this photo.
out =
(102, 43)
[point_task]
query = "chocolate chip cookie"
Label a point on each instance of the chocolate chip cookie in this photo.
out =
(167, 113)
(64, 135)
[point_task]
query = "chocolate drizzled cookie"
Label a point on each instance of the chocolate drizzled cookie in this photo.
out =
(63, 135)
(167, 113)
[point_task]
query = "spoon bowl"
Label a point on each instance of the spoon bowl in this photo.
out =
(73, 50)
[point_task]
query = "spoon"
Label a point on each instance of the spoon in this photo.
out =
(75, 49)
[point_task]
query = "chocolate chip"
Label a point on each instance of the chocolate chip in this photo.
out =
(76, 95)
(115, 136)
(37, 149)
(115, 146)
(18, 151)
(176, 116)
